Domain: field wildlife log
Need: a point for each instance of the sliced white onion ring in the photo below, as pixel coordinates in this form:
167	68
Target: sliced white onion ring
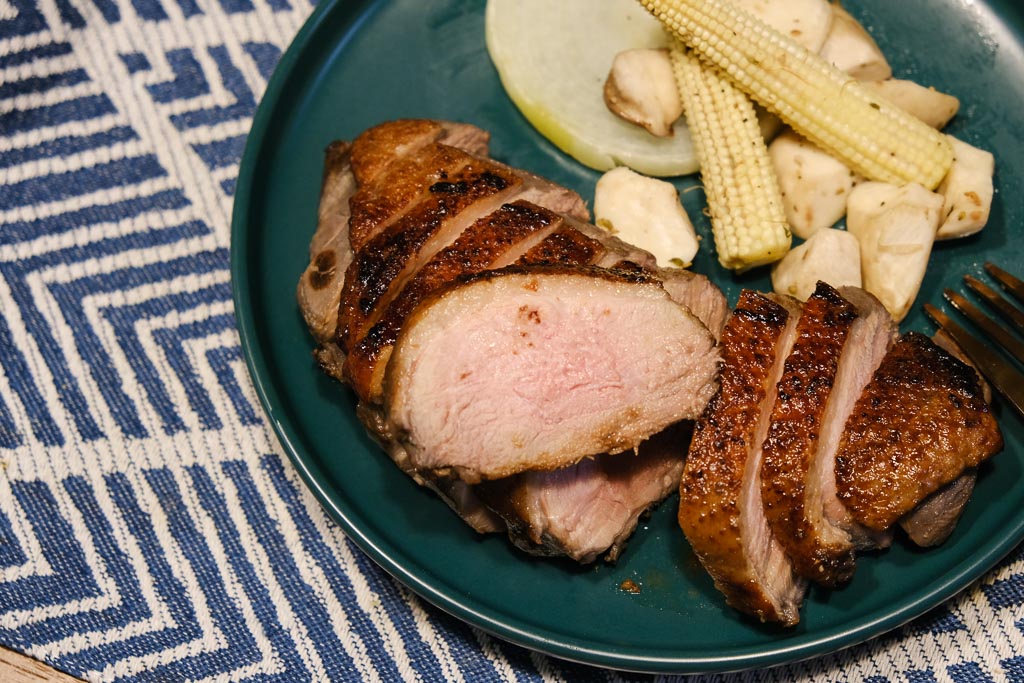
553	57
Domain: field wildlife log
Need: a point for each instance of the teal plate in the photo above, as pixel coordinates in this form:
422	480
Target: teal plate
355	64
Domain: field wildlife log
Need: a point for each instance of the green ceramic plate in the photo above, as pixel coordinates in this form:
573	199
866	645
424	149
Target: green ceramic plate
357	63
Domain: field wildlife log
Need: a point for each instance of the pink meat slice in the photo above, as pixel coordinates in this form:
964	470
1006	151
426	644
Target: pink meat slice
539	368
589	509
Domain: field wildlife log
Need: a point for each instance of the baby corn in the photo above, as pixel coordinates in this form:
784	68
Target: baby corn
747	217
873	137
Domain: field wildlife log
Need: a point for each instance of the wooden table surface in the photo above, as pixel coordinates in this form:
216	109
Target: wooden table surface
17	668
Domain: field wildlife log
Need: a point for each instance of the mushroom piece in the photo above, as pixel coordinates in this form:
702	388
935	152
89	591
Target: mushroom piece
641	89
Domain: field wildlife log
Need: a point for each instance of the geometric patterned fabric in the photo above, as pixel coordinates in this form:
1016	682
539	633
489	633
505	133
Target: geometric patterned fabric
150	527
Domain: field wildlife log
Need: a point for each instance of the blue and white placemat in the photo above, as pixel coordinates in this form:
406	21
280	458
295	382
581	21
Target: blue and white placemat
150	528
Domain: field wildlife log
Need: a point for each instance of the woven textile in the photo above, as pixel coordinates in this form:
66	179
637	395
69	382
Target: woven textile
150	528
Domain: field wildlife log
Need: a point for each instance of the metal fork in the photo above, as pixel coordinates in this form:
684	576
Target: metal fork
1006	379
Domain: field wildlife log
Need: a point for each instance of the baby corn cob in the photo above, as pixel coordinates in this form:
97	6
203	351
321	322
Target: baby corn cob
747	217
828	107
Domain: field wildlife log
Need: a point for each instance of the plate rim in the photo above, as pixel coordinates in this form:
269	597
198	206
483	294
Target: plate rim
868	627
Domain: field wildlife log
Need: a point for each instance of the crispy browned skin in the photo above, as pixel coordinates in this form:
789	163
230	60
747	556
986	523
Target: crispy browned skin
378	268
476	249
399	186
711	491
564	245
921	421
791	444
375	148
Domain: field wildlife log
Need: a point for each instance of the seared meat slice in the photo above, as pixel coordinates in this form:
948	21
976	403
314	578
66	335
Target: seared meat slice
385	263
395	165
538	368
720	508
695	291
319	290
931	522
920	423
330	251
838	346
410	208
480	247
588	509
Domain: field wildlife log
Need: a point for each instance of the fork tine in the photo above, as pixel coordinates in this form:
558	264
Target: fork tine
990	327
1012	284
1004	378
1008	310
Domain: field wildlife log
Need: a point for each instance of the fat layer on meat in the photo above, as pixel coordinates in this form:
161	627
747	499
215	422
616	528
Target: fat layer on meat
720	506
838	346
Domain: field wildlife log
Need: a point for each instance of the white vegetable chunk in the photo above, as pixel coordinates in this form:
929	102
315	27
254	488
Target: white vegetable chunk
829	255
807	22
968	190
895	226
814	184
928	104
646	212
641	89
850	48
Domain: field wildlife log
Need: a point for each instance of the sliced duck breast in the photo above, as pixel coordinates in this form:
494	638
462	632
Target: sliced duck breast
872	334
935	518
720	508
319	289
491	240
920	423
410	209
538	368
386	262
932	521
589	509
839	344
